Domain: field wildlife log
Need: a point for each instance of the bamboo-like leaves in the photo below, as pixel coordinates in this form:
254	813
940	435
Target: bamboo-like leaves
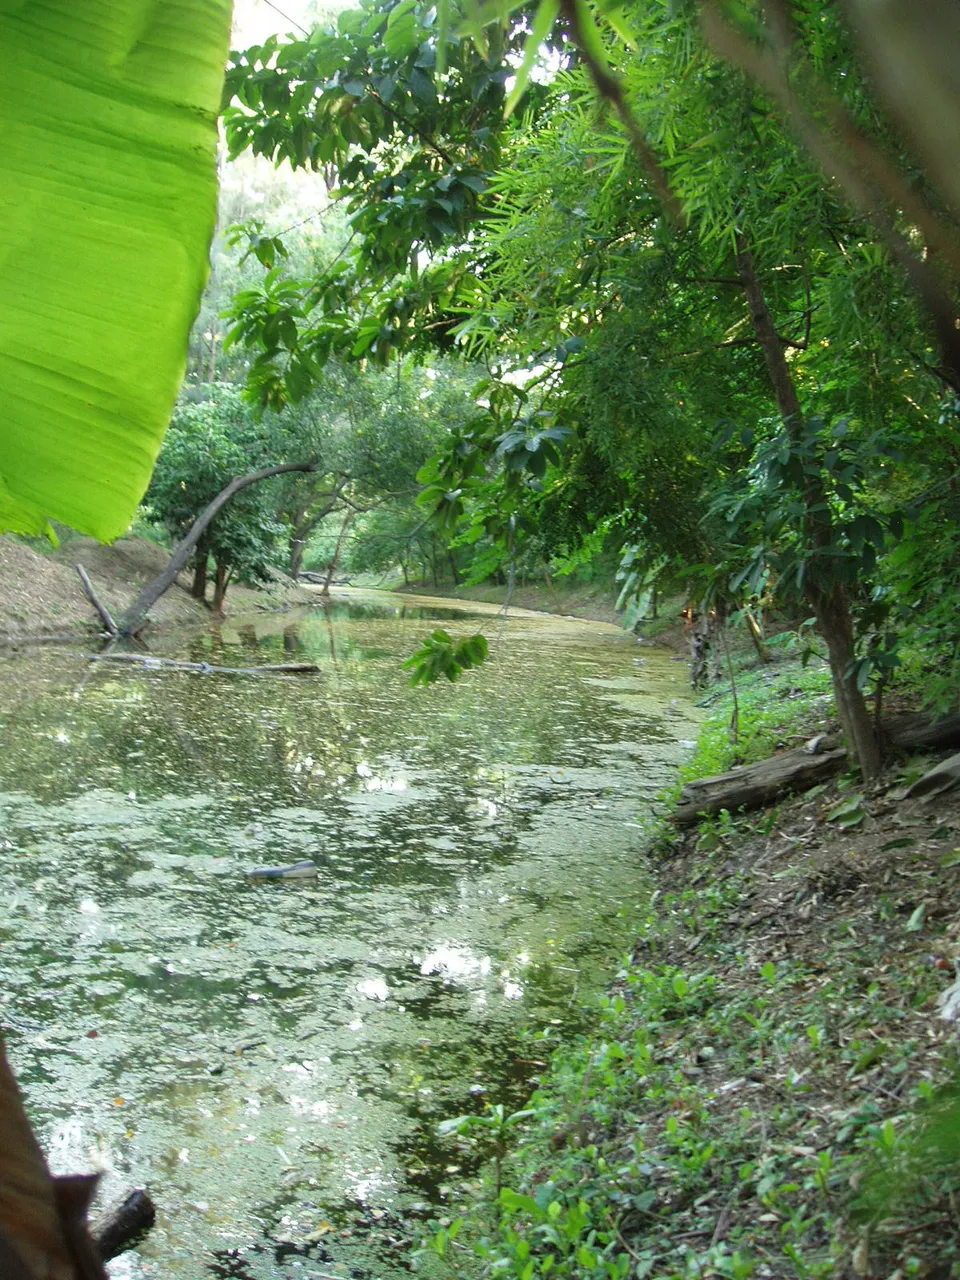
107	207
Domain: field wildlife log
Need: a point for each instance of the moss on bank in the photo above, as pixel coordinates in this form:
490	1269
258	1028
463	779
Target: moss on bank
761	1092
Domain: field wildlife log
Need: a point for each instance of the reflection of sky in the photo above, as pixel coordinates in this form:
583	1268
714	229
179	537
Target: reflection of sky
455	963
474	844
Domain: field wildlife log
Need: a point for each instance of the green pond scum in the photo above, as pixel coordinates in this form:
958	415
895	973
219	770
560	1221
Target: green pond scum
272	1056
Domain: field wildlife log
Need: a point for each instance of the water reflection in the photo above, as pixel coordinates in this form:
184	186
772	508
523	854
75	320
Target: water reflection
266	1053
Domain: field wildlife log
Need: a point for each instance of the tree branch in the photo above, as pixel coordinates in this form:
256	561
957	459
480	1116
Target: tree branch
408	124
609	88
135	616
864	173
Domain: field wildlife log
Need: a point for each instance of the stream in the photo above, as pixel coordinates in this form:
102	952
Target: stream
272	1058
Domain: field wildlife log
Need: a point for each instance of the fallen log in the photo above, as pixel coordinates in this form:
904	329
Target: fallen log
205	668
753	786
123	1225
944	776
12	641
908	730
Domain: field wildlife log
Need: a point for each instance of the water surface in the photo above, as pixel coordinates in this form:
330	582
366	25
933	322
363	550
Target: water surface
272	1058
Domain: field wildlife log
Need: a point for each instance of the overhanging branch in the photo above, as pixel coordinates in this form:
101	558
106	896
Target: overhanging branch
136	615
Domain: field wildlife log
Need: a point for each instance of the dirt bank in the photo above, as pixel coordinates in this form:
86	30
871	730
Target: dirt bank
770	1087
592	602
41	596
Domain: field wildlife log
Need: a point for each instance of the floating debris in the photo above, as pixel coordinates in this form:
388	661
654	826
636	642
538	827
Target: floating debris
295	871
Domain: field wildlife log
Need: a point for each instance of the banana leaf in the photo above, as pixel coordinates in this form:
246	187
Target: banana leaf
107	207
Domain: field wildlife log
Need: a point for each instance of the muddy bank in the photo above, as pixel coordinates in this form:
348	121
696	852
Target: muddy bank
41	596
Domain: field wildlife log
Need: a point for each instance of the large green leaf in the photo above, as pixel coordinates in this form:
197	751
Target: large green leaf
107	207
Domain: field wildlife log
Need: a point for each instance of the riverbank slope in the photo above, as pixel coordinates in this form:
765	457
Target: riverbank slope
41	596
593	602
769	1087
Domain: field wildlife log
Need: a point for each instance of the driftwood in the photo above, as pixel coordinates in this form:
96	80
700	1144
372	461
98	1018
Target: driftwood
124	1225
752	786
205	668
95	600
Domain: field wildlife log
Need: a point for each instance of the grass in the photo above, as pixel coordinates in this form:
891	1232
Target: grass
765	1088
779	707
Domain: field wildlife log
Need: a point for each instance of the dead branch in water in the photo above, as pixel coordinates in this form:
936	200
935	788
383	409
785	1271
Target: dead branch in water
205	668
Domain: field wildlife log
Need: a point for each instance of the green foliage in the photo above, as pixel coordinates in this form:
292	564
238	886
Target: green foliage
770	514
483	487
109	164
440	655
777	708
630	386
411	146
913	1165
209	444
919	589
734	1116
393	537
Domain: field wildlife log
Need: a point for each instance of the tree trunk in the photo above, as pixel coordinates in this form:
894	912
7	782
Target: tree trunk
297	547
198	588
299	530
702	647
248	637
304	522
828	599
453	568
756	635
95	600
212	366
836	626
220	585
338	550
134	618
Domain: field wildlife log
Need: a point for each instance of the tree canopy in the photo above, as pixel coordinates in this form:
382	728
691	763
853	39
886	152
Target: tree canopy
698	342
